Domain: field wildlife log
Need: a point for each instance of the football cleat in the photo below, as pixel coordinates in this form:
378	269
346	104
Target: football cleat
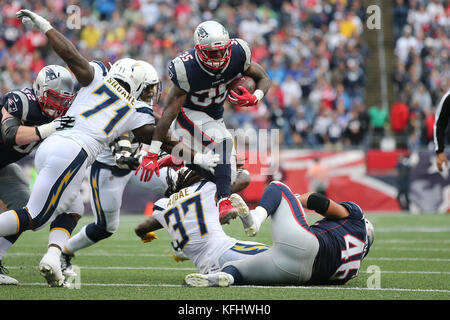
50	269
226	211
245	215
66	265
4	279
217	279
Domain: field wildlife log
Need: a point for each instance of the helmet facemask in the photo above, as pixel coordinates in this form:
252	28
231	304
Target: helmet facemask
151	93
55	104
214	57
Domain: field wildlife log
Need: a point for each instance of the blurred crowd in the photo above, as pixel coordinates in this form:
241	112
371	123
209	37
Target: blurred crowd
313	50
422	73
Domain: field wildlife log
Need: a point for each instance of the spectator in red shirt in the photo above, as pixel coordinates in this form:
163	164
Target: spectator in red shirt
399	122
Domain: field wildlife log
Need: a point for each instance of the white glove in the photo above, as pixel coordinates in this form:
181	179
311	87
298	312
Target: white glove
29	18
61	123
207	161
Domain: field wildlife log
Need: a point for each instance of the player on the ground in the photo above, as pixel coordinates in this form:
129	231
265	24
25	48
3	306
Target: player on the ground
109	175
191	217
28	116
328	252
106	106
200	76
440	126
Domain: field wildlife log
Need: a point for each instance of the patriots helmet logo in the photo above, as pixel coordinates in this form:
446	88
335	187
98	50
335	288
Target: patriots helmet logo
50	74
201	32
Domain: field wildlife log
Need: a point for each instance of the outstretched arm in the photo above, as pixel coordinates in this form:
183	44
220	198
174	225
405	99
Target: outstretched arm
80	67
173	103
323	205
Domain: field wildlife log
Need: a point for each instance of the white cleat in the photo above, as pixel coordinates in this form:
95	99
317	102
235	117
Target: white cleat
4	279
50	269
245	215
218	279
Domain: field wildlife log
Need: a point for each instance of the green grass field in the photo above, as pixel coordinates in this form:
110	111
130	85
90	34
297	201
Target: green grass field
411	251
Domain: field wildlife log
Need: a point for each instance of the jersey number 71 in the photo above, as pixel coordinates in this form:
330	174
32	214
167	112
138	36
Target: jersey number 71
112	98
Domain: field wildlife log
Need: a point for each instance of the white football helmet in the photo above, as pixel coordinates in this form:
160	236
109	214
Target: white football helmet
212	44
130	72
152	84
54	88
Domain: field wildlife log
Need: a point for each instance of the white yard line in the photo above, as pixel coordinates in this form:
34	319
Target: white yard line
254	287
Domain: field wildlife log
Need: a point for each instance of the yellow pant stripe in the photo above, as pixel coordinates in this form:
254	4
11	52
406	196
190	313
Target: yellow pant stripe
61	229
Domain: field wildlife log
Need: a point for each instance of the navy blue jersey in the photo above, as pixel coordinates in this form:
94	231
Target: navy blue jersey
206	90
342	247
23	105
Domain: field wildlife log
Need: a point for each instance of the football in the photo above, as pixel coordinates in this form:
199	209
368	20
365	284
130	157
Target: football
244	81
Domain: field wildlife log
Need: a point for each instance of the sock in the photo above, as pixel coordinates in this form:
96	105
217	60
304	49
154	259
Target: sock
5	244
259	214
234	272
58	237
78	241
61	229
222	172
9	223
271	198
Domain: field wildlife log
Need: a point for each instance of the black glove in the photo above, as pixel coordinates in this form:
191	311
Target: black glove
124	158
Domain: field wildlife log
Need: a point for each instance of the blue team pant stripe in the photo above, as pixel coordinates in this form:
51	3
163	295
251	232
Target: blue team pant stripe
294	204
194	131
58	189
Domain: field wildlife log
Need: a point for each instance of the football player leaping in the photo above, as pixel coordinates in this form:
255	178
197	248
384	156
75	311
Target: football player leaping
106	106
200	76
28	116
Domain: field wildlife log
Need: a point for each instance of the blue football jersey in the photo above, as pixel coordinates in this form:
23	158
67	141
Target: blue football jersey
23	105
342	247
206	90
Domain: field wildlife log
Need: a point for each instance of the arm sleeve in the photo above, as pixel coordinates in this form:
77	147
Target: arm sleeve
441	122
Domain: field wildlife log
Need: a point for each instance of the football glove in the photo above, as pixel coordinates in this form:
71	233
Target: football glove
121	149
246	99
177	254
149	237
31	19
170	161
64	122
207	161
149	164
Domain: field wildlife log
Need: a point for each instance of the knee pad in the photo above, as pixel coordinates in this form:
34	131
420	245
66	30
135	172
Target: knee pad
64	221
24	220
96	233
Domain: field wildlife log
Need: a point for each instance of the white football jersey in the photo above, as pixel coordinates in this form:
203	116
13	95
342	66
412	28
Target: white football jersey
192	218
103	110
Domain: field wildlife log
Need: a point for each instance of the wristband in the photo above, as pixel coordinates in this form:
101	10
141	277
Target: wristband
45	130
259	94
155	146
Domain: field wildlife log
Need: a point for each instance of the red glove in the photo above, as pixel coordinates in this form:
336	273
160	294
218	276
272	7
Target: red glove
246	99
170	161
149	164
